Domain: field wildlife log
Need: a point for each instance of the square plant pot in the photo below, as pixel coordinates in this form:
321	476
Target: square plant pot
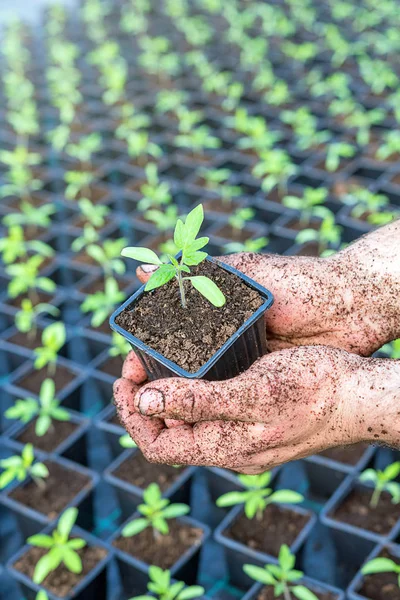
120	475
380	586
237	553
236	355
183	565
92	586
349	510
70	485
322	591
347	458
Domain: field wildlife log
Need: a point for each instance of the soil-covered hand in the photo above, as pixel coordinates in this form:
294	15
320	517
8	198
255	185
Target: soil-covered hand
289	404
350	300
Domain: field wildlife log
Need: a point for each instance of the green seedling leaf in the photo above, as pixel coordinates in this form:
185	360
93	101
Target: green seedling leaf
143	255
209	290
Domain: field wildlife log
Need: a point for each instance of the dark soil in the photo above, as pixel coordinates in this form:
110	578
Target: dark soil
23	340
267	593
278	526
190	336
84	259
356	511
349	455
112	366
217	205
98	286
309	249
229	233
41	297
59	432
382	586
167	549
61	581
137	471
297	226
62	485
34	379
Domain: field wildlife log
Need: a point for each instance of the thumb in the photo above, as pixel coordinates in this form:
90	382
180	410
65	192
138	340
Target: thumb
200	400
242	261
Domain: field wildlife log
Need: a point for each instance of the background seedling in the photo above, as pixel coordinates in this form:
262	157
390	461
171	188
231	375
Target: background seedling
185	239
20	467
161	587
381	565
383	481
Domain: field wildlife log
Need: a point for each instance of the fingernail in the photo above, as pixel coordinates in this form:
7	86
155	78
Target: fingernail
149	268
151	402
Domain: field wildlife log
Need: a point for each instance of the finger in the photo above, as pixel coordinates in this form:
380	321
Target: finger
144	272
244	398
217	443
124	391
133	369
173	423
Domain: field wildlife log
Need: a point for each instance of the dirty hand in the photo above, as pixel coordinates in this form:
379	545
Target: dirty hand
289	404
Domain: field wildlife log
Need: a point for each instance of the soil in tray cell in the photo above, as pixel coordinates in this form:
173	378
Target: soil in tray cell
349	455
191	336
58	432
61	486
355	510
164	551
34	379
60	581
137	471
278	526
267	593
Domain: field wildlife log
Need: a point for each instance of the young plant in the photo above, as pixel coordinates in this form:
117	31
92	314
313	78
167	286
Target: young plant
161	587
46	408
382	565
185	238
335	152
383	481
155	193
53	339
94	214
25	318
101	303
163	220
364	201
61	548
327	236
281	577
14	246
89	236
108	256
119	347
362	121
31	216
217	182
25	279
155	512
248	246
274	169
240	217
309	205
198	140
20	467
391	145
258	495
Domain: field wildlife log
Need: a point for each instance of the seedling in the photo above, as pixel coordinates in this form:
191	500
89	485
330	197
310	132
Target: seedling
14	246
20	179
20	467
61	547
85	148
160	586
126	441
102	303
53	339
163	220
248	246
156	511
25	318
257	495
240	217
364	201
155	193
198	140
46	408
120	347
31	216
362	120
274	168
281	577
94	214
217	182
185	238
391	145
89	236
25	279
381	565
140	147
327	235
392	350
77	182
169	101
42	595
107	255
383	481
335	152
309	205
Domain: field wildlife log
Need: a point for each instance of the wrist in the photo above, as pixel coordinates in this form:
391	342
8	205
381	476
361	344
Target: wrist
373	403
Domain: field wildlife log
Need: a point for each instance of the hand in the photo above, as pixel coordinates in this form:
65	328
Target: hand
288	405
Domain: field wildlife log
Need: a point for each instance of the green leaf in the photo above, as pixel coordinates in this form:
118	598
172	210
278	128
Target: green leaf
6	478
392	471
193	224
286	497
193	591
42	425
194	258
303	593
76	543
179	234
143	255
41	541
43	567
394	490
163	274
175	510
134	527
72	560
286	558
231	499
27	454
209	290
39	470
380	565
47	391
160	525
67	521
259	574
253	505
198	244
368	475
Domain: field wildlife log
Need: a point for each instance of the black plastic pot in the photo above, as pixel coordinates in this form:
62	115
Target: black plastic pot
356	585
311	584
92	587
234	357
